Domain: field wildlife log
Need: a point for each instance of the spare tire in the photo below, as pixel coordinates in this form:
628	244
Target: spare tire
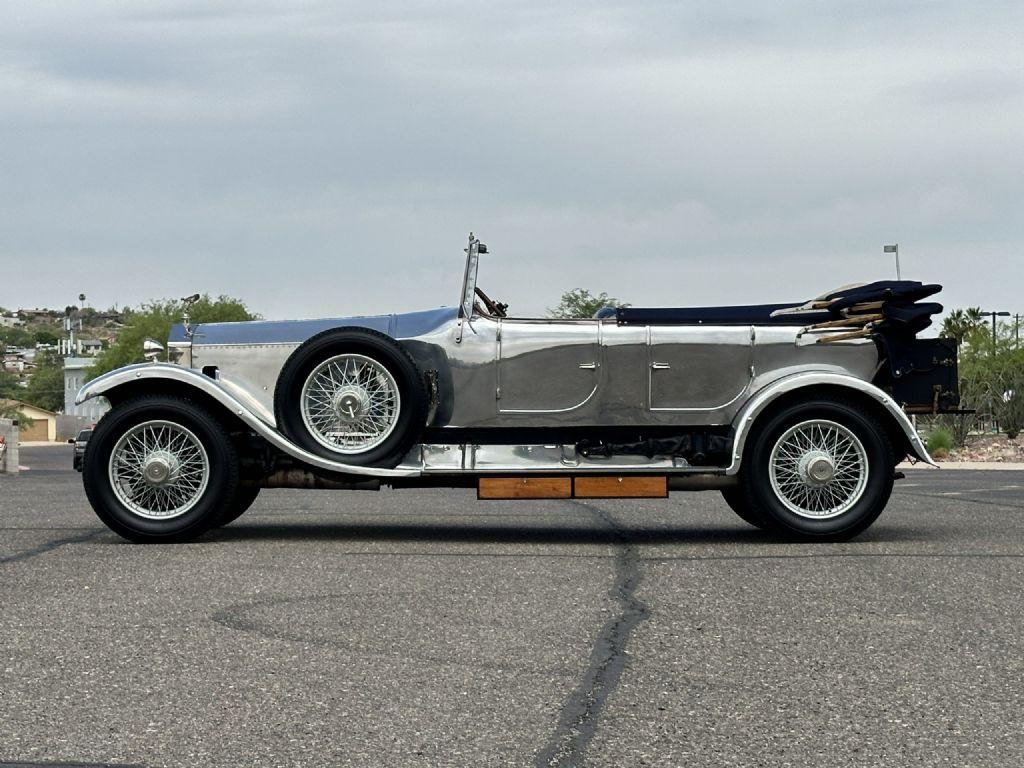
352	395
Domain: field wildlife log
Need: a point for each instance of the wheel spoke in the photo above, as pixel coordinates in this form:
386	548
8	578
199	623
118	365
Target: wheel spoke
839	459
178	462
350	404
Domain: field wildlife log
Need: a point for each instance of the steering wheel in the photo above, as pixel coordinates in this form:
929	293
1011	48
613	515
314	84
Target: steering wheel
494	308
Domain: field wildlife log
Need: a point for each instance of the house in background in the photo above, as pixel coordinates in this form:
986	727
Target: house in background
14	360
90	347
76	371
44	423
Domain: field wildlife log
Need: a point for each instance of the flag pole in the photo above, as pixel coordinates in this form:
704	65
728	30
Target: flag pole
894	249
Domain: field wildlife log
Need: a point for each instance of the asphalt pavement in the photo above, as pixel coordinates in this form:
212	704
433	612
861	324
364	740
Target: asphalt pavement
425	628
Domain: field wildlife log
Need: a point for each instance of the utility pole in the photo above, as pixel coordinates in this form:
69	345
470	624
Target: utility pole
1016	329
994	315
895	249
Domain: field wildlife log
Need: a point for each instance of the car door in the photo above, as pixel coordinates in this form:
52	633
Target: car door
547	366
698	368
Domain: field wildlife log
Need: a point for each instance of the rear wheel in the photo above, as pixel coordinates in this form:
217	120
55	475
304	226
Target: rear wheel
160	469
820	470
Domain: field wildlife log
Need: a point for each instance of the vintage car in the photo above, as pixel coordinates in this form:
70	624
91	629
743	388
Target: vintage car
797	413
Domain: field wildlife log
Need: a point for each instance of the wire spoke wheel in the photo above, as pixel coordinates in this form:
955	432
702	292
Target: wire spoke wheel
350	403
159	470
819	469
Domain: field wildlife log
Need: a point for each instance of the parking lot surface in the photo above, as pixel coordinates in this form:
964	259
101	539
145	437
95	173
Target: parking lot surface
425	628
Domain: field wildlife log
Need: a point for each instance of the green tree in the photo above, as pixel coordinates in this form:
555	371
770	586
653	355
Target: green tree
46	337
991	383
46	387
154	321
581	303
16	337
962	323
9	387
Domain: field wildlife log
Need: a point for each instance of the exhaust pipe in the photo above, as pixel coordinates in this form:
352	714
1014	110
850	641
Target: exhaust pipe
303	478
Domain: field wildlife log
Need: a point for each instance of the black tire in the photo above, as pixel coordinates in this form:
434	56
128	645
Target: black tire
384	350
740	504
222	482
245	497
756	482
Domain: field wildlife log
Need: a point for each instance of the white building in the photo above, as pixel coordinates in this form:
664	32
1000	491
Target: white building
76	371
90	347
10	321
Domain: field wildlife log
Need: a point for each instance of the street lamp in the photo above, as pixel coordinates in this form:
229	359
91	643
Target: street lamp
994	315
895	249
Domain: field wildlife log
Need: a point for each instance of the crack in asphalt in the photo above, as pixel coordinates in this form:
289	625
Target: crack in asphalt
49	546
580	714
235	617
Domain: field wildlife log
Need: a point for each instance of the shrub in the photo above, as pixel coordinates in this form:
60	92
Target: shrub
940	440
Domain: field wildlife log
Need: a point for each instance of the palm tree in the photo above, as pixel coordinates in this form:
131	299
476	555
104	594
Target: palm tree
961	323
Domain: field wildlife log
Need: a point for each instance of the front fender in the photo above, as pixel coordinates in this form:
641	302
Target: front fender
744	421
108	383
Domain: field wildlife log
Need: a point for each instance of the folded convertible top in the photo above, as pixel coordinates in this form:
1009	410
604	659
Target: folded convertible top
759	314
892	302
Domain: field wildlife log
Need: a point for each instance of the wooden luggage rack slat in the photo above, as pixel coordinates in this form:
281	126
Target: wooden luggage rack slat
585	487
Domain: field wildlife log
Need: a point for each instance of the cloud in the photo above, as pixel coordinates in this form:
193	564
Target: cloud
322	157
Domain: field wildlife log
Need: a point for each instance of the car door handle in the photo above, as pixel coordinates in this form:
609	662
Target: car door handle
660	366
588	366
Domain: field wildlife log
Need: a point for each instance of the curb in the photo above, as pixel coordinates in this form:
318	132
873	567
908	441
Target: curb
960	466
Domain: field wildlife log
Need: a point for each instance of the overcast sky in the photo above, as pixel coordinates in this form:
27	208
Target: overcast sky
330	158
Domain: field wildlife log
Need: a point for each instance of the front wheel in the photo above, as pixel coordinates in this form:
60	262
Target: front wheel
819	470
160	469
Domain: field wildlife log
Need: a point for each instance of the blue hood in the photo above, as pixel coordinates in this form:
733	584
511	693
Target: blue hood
401	326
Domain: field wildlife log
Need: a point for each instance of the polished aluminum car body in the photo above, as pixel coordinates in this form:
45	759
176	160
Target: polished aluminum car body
545	379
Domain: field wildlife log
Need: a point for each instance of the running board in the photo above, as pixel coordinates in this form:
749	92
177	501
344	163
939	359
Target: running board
519	460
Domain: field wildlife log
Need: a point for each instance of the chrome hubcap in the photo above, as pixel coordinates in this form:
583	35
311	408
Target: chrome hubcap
159	470
350	404
819	469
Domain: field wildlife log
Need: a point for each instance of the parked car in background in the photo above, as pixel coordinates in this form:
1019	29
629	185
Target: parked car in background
797	413
80	442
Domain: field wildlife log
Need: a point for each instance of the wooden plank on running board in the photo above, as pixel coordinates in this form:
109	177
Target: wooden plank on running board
524	488
621	487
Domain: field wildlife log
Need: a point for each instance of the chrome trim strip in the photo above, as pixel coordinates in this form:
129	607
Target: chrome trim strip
208	386
722	407
762	399
557	410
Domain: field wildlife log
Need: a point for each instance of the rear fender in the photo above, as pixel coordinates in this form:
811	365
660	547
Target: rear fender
760	402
